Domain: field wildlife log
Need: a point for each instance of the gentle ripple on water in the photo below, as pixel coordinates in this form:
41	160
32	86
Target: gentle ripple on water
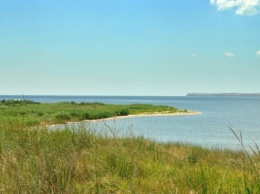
210	129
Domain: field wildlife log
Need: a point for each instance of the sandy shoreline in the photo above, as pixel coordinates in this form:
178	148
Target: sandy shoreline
131	116
143	115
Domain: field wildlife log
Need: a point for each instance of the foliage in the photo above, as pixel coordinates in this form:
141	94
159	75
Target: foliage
17	102
62	116
80	160
47	114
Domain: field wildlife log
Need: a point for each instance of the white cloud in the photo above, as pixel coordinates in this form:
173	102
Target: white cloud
258	53
228	54
243	7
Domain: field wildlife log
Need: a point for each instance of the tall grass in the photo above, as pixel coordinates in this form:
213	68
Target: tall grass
80	160
251	165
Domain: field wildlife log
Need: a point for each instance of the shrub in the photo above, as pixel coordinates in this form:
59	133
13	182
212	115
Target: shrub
102	115
122	112
85	115
75	113
62	116
18	101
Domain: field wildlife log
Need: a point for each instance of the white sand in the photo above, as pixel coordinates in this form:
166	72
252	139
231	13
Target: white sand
156	114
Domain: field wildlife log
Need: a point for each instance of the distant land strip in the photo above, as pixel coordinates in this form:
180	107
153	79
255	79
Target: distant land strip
223	94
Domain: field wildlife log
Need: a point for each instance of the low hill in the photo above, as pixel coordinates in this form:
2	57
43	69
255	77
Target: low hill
223	94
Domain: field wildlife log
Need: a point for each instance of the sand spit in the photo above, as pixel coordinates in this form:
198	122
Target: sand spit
155	114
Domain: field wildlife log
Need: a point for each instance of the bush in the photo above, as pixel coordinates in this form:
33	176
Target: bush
92	103
122	112
17	101
85	115
97	115
62	116
75	113
103	115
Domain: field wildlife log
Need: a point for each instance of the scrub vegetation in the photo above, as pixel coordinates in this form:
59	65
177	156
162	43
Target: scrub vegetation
31	113
79	159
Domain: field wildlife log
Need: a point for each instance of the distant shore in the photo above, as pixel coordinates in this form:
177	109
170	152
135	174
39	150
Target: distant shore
223	94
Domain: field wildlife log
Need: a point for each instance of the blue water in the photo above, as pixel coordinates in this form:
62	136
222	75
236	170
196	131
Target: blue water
210	129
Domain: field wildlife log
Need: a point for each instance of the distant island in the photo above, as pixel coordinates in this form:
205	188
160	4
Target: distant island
223	94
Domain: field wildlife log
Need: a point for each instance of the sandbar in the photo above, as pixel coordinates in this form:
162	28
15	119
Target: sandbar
155	114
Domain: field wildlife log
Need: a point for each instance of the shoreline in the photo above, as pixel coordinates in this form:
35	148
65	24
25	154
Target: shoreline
141	115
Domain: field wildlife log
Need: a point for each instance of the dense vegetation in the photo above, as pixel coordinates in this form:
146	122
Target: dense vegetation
81	160
31	113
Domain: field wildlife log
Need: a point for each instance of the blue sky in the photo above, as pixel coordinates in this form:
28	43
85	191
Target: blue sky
129	47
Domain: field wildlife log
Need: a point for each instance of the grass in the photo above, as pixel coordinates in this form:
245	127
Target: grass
35	114
81	160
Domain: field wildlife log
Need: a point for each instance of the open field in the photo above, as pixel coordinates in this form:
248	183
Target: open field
80	160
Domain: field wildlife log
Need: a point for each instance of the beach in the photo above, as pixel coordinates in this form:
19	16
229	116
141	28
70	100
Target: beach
155	114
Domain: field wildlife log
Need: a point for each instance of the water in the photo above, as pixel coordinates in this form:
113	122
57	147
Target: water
210	129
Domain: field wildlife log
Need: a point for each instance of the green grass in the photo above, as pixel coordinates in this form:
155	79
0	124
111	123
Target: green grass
81	160
34	114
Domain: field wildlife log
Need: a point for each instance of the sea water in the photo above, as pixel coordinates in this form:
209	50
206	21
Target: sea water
209	129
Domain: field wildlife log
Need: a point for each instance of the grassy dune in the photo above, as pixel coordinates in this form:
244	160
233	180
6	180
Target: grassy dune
36	160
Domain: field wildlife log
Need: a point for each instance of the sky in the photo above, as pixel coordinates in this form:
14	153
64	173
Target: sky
129	47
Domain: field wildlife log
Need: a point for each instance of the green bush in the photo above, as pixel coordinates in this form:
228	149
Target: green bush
122	112
85	115
100	115
76	114
18	101
62	116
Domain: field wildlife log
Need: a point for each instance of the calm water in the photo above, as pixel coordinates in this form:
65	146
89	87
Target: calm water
210	129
